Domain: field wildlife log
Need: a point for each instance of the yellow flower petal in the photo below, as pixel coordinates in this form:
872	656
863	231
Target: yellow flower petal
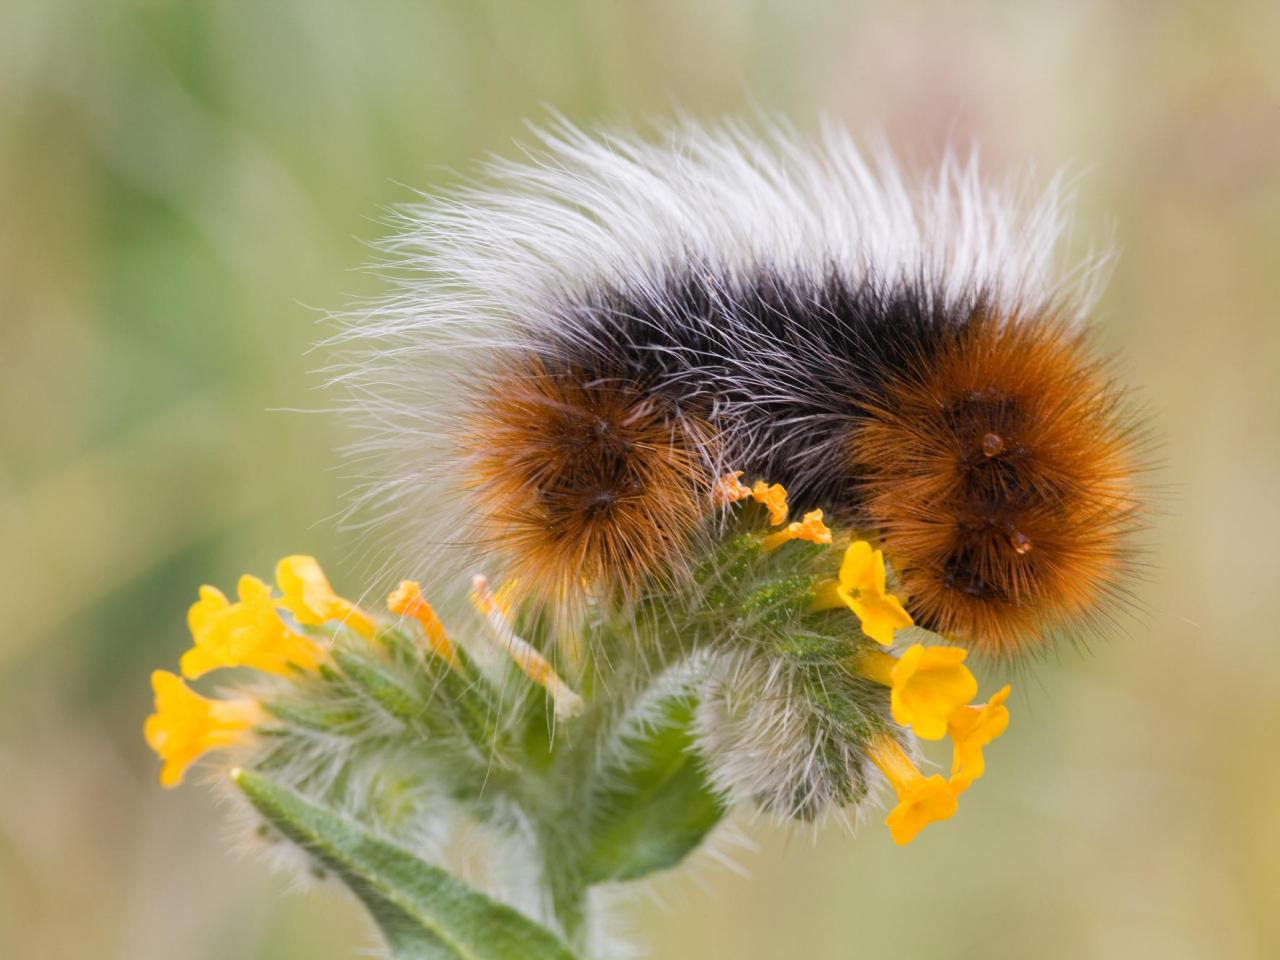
208	608
971	728
863	568
406	601
773	498
248	633
310	598
928	685
186	725
880	615
198	661
855	568
927	801
307	594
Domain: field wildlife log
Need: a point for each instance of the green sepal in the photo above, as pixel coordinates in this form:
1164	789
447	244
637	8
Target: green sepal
380	686
658	807
318	715
423	912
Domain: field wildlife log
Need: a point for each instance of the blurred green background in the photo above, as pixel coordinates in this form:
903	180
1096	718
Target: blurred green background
183	183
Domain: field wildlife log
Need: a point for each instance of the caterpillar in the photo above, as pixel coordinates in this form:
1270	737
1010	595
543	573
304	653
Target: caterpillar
579	345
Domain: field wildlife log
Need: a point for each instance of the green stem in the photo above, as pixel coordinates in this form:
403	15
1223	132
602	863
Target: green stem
569	901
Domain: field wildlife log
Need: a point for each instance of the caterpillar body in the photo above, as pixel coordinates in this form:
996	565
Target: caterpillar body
582	346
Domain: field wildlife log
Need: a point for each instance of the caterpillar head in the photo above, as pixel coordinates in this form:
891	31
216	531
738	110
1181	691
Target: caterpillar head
1000	474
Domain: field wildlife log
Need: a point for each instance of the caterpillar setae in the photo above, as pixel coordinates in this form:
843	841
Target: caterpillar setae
580	345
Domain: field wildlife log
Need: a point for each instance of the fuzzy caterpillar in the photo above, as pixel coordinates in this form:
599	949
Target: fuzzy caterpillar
580	348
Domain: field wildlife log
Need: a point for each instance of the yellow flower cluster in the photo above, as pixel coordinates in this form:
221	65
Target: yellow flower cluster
861	583
247	633
773	497
930	689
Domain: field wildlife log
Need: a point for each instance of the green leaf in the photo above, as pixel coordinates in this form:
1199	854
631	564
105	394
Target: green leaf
424	912
658	807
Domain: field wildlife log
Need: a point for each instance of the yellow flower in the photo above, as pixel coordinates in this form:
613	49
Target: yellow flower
729	489
774	499
406	601
921	800
928	684
308	596
187	725
245	634
811	528
972	727
861	588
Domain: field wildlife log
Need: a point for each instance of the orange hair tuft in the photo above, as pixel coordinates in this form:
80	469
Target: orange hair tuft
584	480
1000	475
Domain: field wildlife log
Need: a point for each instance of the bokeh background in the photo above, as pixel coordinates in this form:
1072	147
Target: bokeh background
183	184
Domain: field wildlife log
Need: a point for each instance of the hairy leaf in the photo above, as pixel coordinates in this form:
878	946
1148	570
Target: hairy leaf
658	807
424	912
